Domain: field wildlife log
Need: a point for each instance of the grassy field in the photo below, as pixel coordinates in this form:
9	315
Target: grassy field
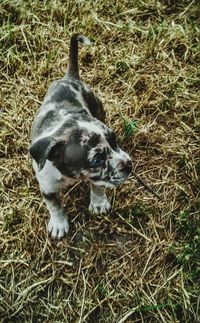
140	262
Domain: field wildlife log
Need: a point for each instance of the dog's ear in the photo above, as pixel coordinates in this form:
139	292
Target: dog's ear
46	148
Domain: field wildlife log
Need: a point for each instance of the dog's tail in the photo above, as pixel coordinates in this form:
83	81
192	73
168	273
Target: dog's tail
72	68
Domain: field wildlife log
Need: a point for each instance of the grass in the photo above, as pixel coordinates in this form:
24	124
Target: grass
140	262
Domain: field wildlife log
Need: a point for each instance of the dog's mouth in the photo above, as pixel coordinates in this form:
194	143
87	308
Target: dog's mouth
110	183
119	181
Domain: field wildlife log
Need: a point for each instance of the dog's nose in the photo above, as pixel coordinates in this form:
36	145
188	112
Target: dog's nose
126	166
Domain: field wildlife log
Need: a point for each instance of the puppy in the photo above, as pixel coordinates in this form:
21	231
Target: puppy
70	142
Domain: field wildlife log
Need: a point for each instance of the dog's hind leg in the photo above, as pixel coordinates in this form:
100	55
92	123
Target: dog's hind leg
98	200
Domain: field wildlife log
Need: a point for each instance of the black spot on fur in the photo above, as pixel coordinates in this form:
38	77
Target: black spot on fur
95	178
94	104
75	85
53	197
63	93
94	140
111	138
39	150
78	110
75	136
65	126
73	161
49	196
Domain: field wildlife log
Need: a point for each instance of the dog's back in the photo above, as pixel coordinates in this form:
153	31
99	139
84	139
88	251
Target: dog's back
66	97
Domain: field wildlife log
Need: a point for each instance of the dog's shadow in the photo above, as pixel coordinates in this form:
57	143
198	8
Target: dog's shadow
76	200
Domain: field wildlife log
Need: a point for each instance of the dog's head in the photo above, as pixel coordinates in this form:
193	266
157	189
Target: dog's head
88	151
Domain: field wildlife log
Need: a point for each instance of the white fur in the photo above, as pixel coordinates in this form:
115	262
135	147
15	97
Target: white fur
85	40
51	181
98	200
50	178
119	156
58	224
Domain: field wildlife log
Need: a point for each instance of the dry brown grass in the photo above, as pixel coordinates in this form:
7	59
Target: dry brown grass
140	263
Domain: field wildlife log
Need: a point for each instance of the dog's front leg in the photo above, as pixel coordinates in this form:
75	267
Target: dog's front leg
98	200
58	224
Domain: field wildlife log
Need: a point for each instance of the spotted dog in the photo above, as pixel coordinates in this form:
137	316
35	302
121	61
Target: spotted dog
70	142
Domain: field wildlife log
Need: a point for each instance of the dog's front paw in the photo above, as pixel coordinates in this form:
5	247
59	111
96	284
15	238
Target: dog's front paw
58	226
99	207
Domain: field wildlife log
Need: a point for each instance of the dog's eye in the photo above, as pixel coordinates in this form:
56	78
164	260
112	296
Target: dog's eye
97	161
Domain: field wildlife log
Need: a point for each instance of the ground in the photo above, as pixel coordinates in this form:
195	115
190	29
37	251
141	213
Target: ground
140	262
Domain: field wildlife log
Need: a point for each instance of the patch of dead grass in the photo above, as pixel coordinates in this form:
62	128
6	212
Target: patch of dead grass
140	262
